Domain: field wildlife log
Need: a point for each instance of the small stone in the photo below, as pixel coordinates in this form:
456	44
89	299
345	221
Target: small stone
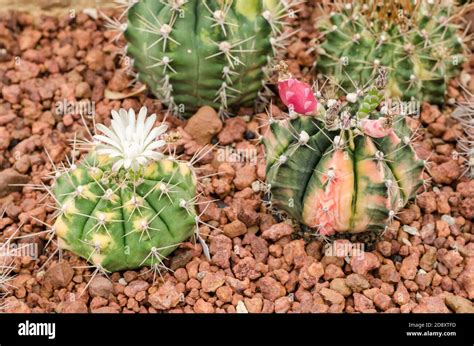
224	293
212	281
382	301
11	93
59	274
136	286
204	125
277	231
459	304
332	296
401	295
431	305
295	253
245	176
340	285
270	288
357	283
362	303
428	259
167	297
364	263
100	286
282	305
310	273
445	173
203	307
235	229
253	305
221	250
233	131
8	178
409	266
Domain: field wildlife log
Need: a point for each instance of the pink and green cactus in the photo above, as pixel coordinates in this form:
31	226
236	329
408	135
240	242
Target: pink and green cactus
344	166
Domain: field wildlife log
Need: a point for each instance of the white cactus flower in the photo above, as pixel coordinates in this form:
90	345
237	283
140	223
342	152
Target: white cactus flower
131	141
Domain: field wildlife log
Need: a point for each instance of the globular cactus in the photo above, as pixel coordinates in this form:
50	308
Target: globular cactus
344	166
415	40
198	52
125	205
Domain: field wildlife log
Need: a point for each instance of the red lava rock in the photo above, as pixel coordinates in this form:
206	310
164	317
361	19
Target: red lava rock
165	298
310	273
282	305
401	295
295	253
100	286
134	287
388	273
221	249
12	93
445	173
4	138
332	296
362	303
212	281
204	125
246	268
364	263
233	131
74	307
428	259
95	59
409	266
427	202
253	305
105	310
340	285
357	283
181	275
119	81
277	231
382	301
450	258
259	247
203	307
13	305
270	288
245	176
332	271
237	285
59	274
459	304
234	229
431	305
224	293
28	39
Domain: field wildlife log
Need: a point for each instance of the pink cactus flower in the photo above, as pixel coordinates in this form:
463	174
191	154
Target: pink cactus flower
375	128
297	96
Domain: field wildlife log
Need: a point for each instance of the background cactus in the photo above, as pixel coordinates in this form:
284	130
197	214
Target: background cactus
349	167
418	44
125	205
193	52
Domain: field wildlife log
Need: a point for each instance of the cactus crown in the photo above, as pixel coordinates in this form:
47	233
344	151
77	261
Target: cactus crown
125	205
415	41
198	52
347	166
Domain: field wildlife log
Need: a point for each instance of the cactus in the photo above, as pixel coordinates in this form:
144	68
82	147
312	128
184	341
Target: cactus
417	43
125	205
464	113
344	166
197	52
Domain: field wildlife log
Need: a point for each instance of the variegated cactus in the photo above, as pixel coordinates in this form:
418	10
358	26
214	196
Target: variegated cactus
125	205
193	53
343	166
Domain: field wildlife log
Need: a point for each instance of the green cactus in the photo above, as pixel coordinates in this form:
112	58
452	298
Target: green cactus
124	205
348	167
198	52
417	43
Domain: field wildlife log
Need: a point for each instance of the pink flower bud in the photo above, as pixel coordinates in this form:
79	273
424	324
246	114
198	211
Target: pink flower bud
297	96
374	128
